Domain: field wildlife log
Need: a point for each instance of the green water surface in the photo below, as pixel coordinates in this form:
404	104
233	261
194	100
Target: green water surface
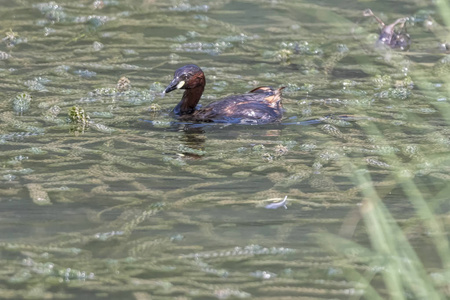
133	204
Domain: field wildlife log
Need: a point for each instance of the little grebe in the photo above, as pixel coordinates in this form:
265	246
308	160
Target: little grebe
261	105
388	36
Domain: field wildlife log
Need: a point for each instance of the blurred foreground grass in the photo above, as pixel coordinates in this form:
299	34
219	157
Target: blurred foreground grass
392	268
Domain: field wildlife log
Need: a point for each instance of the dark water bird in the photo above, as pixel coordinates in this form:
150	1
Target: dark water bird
389	36
261	105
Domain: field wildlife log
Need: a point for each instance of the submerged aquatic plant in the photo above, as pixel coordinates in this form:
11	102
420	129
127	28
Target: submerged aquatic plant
78	115
21	103
79	118
37	84
38	194
183	7
12	38
124	84
4	55
51	10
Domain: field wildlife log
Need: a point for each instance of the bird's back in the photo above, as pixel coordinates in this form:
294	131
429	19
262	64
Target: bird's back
261	105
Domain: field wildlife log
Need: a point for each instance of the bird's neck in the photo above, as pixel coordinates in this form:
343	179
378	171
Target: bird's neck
189	101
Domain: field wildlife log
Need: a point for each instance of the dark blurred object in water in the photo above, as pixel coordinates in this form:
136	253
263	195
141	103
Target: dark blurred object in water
389	36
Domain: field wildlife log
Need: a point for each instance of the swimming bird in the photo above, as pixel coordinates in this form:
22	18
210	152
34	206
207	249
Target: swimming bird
259	106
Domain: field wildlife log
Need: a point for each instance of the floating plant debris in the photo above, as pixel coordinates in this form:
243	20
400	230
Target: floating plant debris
85	73
12	39
38	194
37	84
231	293
215	48
78	116
21	103
97	46
263	274
103	236
182	7
52	11
189	150
239	251
4	55
124	84
278	204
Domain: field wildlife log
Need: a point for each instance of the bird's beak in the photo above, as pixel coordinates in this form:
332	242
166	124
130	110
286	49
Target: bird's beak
174	85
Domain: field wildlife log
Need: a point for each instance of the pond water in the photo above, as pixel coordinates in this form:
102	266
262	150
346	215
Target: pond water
132	204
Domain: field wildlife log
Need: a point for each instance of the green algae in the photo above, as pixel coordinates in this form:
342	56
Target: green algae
77	115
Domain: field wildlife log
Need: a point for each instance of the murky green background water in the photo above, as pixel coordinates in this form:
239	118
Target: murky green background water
138	206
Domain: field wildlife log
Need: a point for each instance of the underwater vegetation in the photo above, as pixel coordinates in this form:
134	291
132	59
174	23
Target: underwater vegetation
104	194
21	103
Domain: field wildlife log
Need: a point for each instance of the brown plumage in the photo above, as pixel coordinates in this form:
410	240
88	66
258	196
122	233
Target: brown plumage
261	105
